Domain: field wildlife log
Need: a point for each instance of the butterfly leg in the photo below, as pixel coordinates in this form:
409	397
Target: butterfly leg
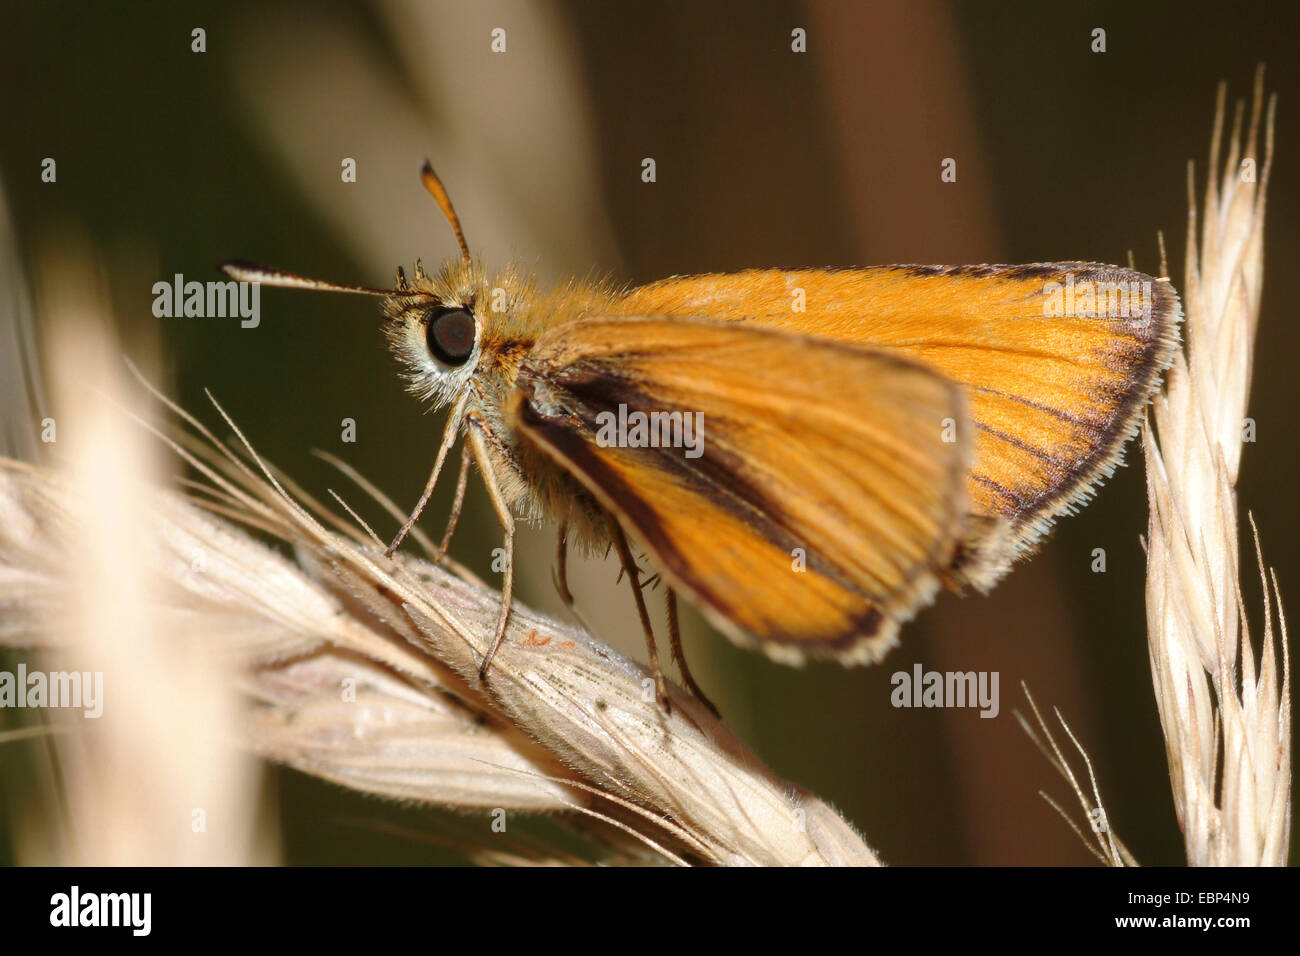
561	566
507	520
449	436
634	575
561	577
675	644
456	505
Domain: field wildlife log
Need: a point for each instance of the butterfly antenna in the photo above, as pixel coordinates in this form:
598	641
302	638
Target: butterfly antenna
439	193
265	275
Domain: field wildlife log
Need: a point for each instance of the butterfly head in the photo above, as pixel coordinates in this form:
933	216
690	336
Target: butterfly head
450	329
453	328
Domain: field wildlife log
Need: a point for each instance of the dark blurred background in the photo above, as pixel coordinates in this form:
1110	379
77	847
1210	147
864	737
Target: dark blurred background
173	160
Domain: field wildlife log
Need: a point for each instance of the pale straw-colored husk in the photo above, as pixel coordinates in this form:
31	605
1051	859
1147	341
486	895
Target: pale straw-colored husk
1225	707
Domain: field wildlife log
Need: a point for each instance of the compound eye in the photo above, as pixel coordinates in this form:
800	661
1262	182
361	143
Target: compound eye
450	335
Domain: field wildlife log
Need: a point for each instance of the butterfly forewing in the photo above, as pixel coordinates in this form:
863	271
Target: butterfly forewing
824	492
1056	360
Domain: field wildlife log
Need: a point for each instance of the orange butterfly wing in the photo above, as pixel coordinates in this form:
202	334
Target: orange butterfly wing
1052	397
815	516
